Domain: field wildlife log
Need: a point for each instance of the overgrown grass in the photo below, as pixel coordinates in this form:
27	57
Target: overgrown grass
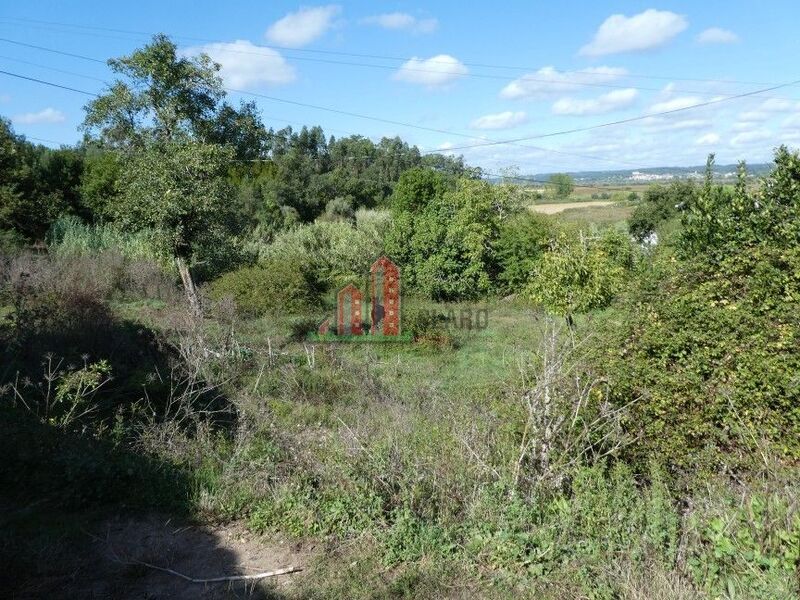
471	468
70	236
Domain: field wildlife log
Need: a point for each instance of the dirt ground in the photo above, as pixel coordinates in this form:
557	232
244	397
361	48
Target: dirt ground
551	209
109	564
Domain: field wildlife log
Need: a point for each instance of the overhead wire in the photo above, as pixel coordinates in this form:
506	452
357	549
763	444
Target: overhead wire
382	57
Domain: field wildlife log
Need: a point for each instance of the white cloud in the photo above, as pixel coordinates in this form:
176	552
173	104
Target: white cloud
548	80
717	35
402	21
675	104
245	65
502	120
744	126
435	71
769	108
303	26
595	106
751	137
778	105
645	31
792	121
657	125
709	139
754	115
47	115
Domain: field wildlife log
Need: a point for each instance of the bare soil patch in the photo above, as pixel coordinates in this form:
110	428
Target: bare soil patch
553	208
109	565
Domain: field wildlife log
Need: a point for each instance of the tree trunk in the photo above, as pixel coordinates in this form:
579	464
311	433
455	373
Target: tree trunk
188	286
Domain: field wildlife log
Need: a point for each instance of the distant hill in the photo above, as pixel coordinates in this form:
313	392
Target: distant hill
656	174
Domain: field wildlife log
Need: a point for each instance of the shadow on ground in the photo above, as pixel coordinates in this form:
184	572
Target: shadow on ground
78	518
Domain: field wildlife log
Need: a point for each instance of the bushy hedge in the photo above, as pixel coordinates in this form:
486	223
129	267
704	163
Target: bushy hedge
285	285
710	346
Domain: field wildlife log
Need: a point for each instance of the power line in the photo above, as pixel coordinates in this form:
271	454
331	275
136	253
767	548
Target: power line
518	178
61	52
55	85
33	64
524	78
384	57
628	120
357	115
446	132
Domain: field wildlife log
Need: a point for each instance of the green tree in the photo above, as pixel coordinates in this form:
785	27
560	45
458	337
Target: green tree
162	95
37	184
522	241
579	274
173	180
417	188
659	205
444	239
562	185
179	189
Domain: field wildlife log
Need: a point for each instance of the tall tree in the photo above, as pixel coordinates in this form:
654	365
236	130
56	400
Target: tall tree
180	190
562	185
171	179
161	95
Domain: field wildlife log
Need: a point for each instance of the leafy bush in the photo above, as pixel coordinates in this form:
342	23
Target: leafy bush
336	253
659	205
710	346
578	274
275	284
521	242
11	241
446	249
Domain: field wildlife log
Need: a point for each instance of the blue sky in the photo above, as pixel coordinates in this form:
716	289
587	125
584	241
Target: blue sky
476	72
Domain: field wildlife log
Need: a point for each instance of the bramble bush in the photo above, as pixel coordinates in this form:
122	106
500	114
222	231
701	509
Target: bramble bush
710	342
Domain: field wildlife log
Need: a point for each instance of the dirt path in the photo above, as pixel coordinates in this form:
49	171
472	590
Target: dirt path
551	209
109	564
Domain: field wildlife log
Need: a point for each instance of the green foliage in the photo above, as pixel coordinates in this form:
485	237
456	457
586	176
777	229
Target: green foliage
711	341
338	252
578	273
522	241
37	184
562	185
446	249
179	190
99	182
69	236
659	205
416	189
746	545
161	96
283	285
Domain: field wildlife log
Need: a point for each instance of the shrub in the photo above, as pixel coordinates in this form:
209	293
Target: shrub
446	249
334	253
275	284
711	342
659	205
578	274
11	241
520	245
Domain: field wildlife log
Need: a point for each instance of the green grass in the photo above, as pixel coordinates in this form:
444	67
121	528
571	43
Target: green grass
367	338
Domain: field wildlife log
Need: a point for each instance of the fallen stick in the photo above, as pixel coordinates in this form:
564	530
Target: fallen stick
220	579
